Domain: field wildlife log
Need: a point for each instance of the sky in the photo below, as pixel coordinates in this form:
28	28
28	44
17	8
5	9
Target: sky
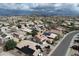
47	8
29	6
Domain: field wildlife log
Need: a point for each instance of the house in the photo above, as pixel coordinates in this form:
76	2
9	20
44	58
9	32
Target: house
8	37
3	35
28	47
46	36
6	24
14	27
26	50
4	29
26	30
76	24
15	35
68	22
50	35
40	37
60	28
55	31
64	24
19	35
29	37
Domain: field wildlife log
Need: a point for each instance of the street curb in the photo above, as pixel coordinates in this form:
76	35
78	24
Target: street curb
60	42
70	44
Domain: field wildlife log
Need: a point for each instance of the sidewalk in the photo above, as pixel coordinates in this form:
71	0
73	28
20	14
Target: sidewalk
68	51
65	36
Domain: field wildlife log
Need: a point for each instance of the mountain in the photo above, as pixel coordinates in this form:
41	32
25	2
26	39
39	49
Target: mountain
7	12
39	11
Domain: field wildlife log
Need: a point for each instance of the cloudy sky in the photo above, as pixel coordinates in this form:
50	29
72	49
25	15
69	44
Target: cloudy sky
45	8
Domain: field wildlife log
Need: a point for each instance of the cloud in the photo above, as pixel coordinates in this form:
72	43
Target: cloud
66	8
17	6
28	6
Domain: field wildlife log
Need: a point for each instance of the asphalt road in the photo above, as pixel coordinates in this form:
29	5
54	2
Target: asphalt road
62	48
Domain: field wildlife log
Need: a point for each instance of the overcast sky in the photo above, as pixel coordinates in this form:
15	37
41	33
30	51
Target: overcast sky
30	6
48	7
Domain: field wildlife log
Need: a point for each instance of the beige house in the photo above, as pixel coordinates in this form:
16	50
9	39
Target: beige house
40	38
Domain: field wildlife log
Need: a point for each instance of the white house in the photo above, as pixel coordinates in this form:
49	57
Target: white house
52	35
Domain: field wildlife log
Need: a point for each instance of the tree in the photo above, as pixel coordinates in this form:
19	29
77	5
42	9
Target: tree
34	32
3	25
19	26
9	45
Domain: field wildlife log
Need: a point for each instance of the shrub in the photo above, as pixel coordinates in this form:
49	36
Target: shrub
9	45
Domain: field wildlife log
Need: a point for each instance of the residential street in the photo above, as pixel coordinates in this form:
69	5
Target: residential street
62	48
